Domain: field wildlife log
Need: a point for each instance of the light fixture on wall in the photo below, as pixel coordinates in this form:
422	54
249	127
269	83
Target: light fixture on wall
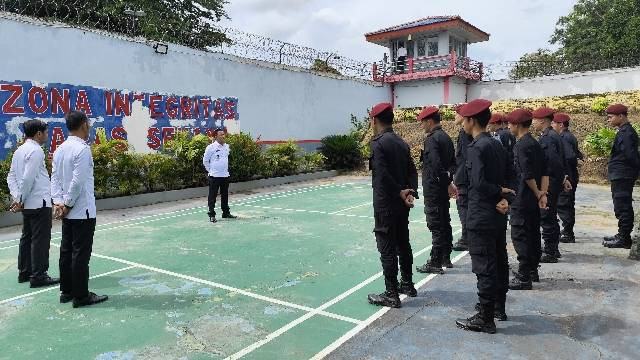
161	48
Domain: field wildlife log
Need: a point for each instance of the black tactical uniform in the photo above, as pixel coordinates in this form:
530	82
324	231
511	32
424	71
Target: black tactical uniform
439	164
567	200
530	163
623	168
552	145
461	180
508	141
393	170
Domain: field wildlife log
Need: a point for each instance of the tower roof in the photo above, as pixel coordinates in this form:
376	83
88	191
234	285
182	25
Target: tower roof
428	24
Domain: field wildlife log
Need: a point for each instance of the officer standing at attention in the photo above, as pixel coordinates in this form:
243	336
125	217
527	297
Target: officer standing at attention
553	147
485	218
438	166
508	142
29	185
567	199
395	186
494	125
624	165
531	197
216	162
461	180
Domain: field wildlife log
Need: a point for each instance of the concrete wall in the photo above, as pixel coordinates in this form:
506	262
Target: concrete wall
559	85
274	102
457	90
419	93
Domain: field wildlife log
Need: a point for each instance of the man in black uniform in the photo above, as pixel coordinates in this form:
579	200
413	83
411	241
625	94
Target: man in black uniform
567	199
461	181
552	145
438	166
531	197
508	142
485	218
623	168
395	185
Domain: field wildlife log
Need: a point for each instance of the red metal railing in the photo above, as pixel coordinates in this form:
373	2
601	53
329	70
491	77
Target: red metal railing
428	67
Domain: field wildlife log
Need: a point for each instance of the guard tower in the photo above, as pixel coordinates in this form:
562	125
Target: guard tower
436	68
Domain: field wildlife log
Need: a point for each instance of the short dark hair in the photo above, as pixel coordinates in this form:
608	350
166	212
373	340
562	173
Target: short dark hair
386	117
482	118
435	117
527	123
31	127
75	119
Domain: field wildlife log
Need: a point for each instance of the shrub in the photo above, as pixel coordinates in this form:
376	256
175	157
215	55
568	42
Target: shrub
245	160
312	162
160	172
600	143
5	195
447	113
189	151
282	159
599	105
116	171
342	151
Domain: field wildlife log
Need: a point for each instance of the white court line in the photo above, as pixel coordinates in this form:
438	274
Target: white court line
9	247
351	208
328	304
57	287
344	338
224	287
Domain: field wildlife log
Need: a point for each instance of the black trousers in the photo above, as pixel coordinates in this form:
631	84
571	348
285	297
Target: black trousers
489	261
622	194
462	203
567	208
439	223
33	253
75	253
525	235
221	184
392	237
549	222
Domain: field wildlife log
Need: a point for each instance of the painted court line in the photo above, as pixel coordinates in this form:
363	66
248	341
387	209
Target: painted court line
330	303
57	287
224	287
351	208
344	338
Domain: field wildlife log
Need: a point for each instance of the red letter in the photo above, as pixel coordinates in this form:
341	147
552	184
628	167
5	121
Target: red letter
123	106
97	139
118	133
153	100
138	97
210	132
9	106
60	102
82	103
167	134
217	109
153	138
57	138
44	100
230	109
205	107
185	106
108	103
171	107
196	131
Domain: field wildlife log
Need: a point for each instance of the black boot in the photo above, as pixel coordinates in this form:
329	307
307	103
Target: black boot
568	238
407	288
65	298
498	312
549	259
607	239
558	255
446	261
228	216
520	282
430	268
387	298
480	322
619	242
535	277
24	277
212	219
461	245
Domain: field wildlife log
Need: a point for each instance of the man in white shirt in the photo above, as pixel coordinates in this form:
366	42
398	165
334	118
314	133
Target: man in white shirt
402	57
30	189
216	161
74	202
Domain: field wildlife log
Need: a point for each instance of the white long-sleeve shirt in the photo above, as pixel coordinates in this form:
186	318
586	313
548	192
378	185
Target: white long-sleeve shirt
216	159
28	178
72	178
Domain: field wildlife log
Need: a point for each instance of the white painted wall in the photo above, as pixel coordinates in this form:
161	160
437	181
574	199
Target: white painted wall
419	93
558	85
457	90
443	43
274	102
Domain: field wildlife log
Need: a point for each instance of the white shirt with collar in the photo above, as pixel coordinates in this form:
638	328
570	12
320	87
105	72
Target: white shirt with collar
28	178
72	178
216	159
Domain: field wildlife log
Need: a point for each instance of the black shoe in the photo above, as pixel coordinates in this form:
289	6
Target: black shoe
607	239
460	246
44	281
619	242
407	288
92	299
23	278
498	312
65	298
558	255
567	238
387	298
212	219
446	262
548	259
229	216
535	277
480	322
517	283
430	268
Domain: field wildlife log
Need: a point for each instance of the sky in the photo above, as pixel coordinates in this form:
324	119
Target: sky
516	27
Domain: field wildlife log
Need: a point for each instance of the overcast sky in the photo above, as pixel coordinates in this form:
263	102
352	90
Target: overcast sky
516	27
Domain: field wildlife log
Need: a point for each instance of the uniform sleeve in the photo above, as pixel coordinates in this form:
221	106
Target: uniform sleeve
12	181
631	150
206	159
526	162
452	161
81	167
433	153
56	181
412	174
32	163
381	165
477	177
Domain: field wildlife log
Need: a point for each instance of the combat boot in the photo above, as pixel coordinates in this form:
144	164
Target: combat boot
446	261
535	277
498	311
558	255
430	268
387	298
568	238
461	245
520	282
619	242
407	288
548	259
480	322
607	239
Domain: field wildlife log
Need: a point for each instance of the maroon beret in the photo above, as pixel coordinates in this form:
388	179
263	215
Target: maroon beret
378	109
519	116
496	118
543	112
427	112
474	107
458	107
617	109
561	118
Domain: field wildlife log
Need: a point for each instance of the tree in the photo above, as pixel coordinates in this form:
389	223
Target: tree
539	63
184	22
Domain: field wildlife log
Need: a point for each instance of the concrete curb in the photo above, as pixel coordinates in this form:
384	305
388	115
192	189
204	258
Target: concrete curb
124	202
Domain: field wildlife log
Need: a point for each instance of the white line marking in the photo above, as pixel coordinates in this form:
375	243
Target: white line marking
9	247
350	208
57	287
344	338
328	304
224	287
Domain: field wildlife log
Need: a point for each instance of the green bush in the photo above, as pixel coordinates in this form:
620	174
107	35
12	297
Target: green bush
245	161
342	151
189	151
312	162
116	170
160	172
5	195
282	159
599	105
600	143
447	113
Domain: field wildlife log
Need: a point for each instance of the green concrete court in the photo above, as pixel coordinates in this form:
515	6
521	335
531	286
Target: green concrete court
287	280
